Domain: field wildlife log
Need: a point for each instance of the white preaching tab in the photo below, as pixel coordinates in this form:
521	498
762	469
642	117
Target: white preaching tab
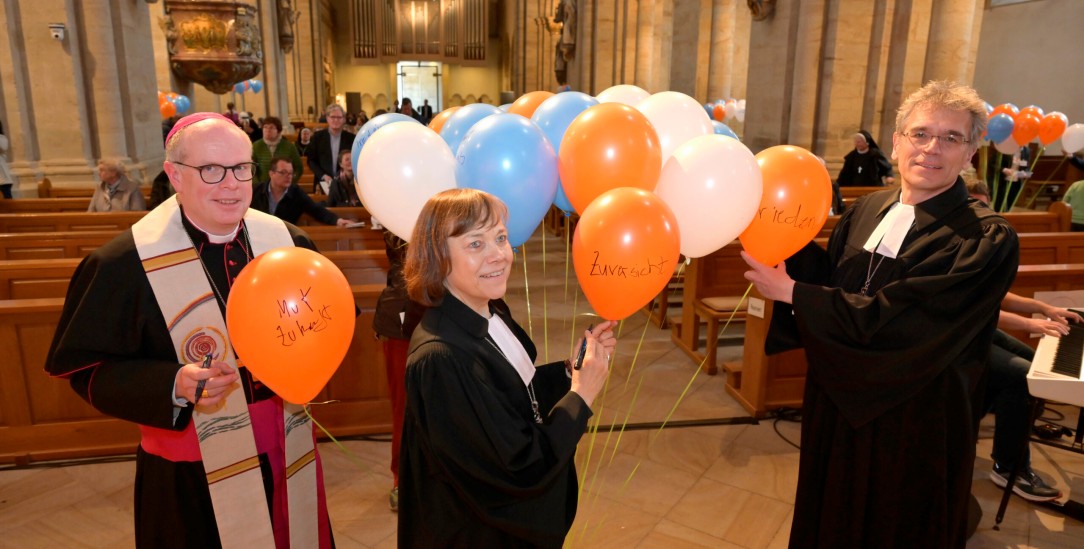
888	237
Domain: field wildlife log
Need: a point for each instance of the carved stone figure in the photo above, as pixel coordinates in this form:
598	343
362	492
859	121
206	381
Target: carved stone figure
761	9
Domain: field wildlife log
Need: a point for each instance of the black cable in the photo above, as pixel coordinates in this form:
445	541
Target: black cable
792	415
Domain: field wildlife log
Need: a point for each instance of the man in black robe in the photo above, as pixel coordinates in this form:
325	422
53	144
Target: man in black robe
897	320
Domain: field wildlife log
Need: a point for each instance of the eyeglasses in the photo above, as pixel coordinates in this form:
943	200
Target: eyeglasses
213	174
920	139
335	117
284	172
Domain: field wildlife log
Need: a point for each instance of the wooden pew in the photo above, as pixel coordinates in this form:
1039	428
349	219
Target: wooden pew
41	418
850	194
52	245
762	383
713	287
1056	218
67	221
46	189
42	205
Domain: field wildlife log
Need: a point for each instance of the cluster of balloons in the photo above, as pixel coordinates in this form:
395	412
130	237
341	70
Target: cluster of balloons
651	176
250	84
1010	128
171	104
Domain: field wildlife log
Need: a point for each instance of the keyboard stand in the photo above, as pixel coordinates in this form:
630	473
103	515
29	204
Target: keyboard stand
1070	508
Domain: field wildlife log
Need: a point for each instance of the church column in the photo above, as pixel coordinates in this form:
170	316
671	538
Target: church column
729	57
691	48
16	101
645	38
954	40
272	98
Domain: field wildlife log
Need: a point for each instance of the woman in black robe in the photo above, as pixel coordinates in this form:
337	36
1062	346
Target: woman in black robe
488	438
866	165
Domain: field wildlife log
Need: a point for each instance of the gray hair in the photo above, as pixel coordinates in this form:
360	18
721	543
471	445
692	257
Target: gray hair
334	106
114	165
947	95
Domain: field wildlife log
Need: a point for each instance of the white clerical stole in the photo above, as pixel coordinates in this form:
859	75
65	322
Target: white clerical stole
511	348
888	237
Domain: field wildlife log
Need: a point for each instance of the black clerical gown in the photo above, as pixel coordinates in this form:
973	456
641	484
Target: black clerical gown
475	469
113	345
892	394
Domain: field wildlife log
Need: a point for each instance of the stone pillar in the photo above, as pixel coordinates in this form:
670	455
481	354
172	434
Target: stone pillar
691	48
954	40
646	63
662	46
604	42
271	101
729	57
81	98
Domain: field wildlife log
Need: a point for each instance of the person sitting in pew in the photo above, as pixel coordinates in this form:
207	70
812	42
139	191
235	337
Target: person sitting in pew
282	198
342	191
1007	393
115	193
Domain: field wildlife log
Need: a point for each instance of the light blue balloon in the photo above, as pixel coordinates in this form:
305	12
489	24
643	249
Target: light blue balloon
239	87
710	109
256	85
999	128
461	121
553	117
723	129
370	128
182	103
509	157
505	107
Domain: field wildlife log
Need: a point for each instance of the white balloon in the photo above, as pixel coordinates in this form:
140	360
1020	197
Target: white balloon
731	109
399	169
1008	146
1072	140
677	118
739	113
713	184
623	93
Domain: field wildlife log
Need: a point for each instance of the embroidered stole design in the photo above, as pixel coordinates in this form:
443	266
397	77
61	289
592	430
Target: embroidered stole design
226	440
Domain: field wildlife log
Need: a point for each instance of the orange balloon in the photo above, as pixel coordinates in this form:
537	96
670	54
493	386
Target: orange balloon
1032	109
290	315
625	249
528	102
608	146
795	204
167	108
1006	108
438	121
1025	128
1051	127
719	113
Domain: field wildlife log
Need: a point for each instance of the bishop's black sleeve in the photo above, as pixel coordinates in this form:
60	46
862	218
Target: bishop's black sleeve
111	342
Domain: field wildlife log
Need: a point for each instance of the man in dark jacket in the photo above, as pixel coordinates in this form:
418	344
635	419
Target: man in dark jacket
286	201
323	151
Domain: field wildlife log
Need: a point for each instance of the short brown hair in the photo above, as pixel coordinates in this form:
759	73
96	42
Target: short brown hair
274	121
447	214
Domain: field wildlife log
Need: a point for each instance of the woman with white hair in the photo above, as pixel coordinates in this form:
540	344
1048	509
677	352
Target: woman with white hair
115	192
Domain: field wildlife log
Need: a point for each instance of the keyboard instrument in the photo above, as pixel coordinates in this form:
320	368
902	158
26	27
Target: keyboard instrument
1055	372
